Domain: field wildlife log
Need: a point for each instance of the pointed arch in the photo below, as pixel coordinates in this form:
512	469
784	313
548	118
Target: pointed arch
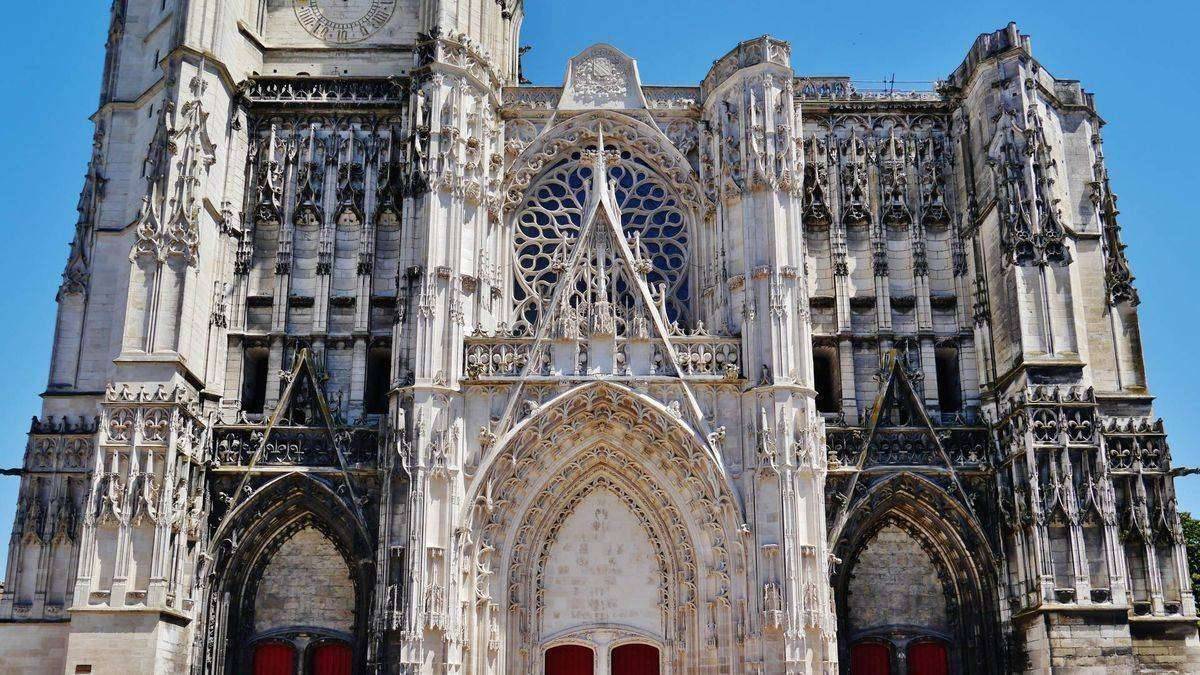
692	546
244	546
565	417
604	436
644	140
654	197
958	548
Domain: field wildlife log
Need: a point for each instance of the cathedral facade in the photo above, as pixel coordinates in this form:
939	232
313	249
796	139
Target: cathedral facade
372	358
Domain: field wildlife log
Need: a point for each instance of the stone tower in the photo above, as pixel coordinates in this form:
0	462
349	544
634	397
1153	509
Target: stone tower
372	358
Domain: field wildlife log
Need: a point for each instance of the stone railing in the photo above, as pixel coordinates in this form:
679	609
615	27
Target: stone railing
967	448
233	446
843	89
308	91
1132	444
698	357
703	356
490	358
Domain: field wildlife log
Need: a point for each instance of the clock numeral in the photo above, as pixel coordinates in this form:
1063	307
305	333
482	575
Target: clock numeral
373	17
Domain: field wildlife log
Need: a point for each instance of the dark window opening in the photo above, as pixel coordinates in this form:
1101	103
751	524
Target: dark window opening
948	381
254	380
826	380
375	395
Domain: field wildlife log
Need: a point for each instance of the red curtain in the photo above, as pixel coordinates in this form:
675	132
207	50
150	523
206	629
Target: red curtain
870	658
635	659
569	660
928	658
274	658
332	658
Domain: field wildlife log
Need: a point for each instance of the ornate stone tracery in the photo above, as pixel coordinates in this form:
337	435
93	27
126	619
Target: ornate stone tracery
547	227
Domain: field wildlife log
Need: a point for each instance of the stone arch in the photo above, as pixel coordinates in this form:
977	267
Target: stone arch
604	436
247	544
644	140
561	418
672	564
949	534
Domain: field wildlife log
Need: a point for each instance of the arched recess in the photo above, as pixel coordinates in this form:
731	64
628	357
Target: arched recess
604	437
291	506
913	512
658	193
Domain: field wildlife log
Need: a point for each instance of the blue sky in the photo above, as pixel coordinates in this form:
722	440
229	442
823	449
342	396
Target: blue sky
1138	58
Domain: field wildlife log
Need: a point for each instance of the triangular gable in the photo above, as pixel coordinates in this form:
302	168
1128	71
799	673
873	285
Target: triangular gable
602	77
302	405
602	223
899	406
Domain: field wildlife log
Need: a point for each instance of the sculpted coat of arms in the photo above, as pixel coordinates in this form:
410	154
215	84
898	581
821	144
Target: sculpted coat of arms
600	78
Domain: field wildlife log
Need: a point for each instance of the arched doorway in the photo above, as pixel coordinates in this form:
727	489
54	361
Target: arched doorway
635	658
915	582
292	581
570	660
617	494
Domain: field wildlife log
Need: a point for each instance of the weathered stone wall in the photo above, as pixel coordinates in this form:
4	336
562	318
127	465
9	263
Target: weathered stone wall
602	568
1086	640
306	583
129	642
895	582
1106	642
1167	655
33	648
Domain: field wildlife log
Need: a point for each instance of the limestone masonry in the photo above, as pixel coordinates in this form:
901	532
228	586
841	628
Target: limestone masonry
373	358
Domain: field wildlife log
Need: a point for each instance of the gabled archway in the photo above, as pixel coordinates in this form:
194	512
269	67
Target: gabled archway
935	543
602	438
304	519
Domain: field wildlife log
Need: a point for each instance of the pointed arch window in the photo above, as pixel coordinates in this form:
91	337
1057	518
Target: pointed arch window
550	220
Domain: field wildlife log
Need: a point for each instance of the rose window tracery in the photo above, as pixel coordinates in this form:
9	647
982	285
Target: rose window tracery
549	223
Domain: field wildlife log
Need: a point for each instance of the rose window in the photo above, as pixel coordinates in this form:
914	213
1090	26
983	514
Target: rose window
549	222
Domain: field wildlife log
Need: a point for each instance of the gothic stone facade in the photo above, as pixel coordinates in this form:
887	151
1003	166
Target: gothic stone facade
371	358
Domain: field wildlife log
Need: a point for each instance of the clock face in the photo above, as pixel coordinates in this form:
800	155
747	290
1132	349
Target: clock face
343	21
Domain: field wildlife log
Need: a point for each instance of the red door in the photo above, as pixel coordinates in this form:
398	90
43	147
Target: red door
870	658
332	658
928	658
569	660
635	659
274	658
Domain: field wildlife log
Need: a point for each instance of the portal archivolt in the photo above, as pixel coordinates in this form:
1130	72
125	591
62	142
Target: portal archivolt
929	541
601	450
